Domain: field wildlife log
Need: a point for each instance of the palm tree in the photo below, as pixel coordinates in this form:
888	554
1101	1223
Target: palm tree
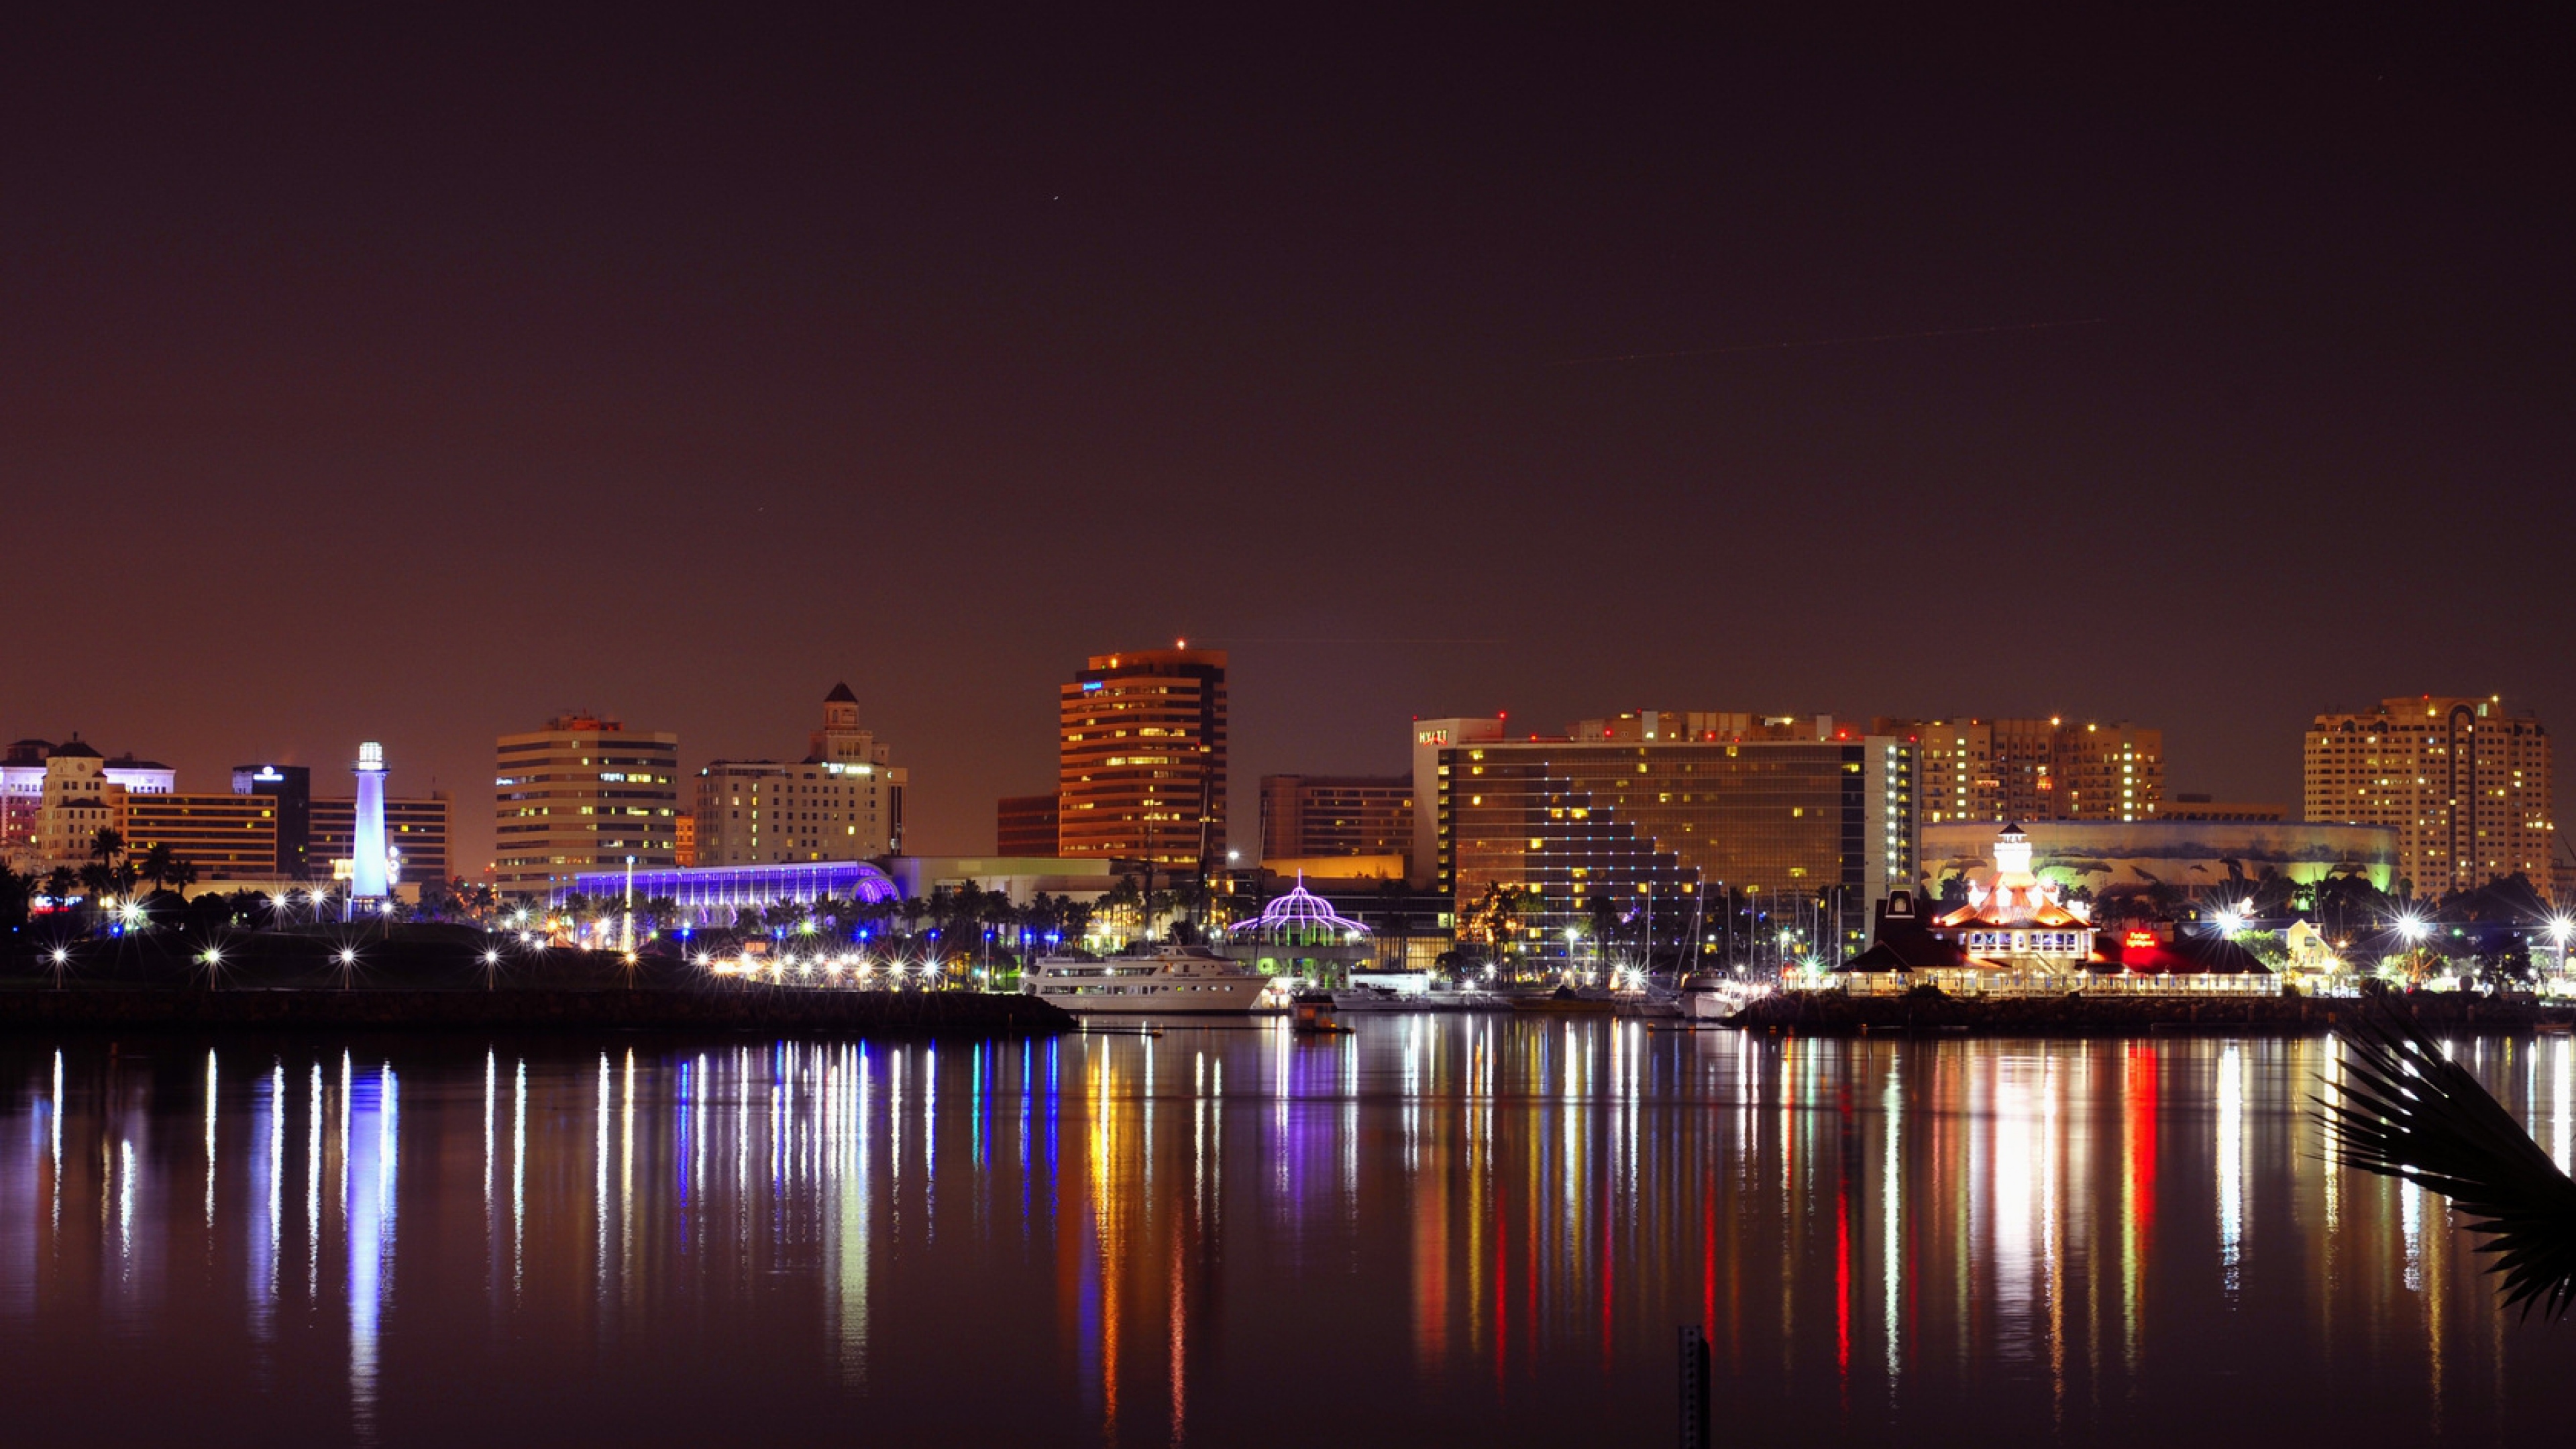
2408	1111
1495	916
158	864
60	882
784	915
107	871
17	893
658	913
96	881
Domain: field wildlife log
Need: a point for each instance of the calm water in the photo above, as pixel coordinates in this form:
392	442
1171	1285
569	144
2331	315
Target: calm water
1438	1230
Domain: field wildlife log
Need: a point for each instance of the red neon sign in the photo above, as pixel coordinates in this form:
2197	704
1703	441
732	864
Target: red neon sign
2139	938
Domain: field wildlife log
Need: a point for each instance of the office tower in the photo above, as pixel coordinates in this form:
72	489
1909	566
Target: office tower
1025	825
1305	817
1141	757
2467	783
581	794
843	801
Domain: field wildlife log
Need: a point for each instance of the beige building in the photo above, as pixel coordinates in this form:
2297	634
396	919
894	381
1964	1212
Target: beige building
2466	783
843	801
2007	770
79	801
1141	757
83	791
582	794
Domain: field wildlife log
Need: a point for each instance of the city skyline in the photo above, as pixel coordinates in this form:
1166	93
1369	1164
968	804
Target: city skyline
964	826
1806	724
1576	372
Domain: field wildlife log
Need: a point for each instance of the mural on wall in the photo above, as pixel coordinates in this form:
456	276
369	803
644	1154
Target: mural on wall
2112	858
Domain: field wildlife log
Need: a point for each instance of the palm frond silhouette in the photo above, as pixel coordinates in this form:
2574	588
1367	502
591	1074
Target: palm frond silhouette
2407	1111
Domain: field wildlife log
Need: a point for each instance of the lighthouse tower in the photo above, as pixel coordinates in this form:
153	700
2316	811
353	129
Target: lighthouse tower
367	885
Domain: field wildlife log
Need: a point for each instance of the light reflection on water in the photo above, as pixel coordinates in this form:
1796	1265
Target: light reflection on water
1435	1229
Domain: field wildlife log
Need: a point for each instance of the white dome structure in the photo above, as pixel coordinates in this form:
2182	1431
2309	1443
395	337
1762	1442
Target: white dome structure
1299	918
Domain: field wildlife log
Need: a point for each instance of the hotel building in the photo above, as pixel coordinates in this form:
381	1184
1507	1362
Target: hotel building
1141	757
2466	782
843	801
581	794
225	837
1656	822
289	789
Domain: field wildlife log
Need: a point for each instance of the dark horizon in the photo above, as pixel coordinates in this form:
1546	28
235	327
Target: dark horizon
415	378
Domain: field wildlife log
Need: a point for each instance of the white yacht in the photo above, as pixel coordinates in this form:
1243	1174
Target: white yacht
1173	981
1714	996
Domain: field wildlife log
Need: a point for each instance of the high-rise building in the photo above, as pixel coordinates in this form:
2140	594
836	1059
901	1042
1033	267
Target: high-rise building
289	789
1141	757
1305	817
2007	770
843	801
2108	771
1652	824
1025	825
2467	782
581	794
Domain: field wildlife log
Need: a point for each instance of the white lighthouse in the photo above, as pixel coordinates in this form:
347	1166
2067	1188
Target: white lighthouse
367	882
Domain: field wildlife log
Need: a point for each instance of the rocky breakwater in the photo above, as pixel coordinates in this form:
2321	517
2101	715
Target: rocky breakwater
872	1013
438	979
1926	1010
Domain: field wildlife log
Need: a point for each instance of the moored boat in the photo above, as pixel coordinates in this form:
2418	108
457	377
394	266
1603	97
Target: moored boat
1564	1001
1173	981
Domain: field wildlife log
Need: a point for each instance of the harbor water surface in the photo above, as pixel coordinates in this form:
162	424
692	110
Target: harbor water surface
1437	1230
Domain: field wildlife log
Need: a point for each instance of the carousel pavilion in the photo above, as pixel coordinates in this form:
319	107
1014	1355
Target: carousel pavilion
1300	934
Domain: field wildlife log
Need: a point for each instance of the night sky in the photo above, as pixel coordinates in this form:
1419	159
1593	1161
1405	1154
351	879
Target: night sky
417	376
